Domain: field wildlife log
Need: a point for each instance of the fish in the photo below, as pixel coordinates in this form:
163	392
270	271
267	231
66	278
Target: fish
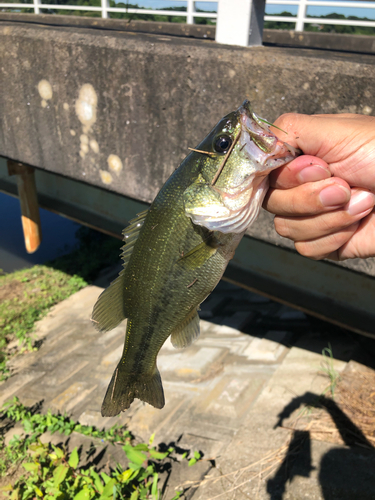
176	252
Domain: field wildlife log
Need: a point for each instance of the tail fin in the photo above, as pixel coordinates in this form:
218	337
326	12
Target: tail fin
124	387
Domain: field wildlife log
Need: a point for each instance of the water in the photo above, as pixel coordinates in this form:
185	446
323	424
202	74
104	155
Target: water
58	236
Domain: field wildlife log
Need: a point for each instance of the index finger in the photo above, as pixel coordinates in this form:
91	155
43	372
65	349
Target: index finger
303	169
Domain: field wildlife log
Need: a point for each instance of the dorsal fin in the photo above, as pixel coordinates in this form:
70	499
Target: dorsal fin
188	331
109	309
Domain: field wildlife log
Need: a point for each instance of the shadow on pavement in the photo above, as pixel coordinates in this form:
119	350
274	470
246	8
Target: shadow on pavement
337	478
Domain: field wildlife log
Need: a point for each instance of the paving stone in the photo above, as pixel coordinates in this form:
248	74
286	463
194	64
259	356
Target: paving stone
232	395
264	350
292	314
109	337
17	430
224	394
74	394
190	363
112	358
15	384
219	329
239	319
211	306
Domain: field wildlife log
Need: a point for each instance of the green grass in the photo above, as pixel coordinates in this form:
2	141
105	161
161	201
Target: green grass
328	369
27	295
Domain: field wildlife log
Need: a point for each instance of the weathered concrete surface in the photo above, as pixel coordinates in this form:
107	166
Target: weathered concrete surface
118	110
224	395
149	98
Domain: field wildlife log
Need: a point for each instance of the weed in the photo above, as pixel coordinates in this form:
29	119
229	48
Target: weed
52	471
328	368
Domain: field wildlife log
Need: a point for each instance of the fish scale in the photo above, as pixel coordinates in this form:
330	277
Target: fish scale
172	263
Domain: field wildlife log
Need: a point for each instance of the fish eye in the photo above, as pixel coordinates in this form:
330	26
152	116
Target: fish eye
222	144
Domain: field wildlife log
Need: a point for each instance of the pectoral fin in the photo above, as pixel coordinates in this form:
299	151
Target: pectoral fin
198	255
188	331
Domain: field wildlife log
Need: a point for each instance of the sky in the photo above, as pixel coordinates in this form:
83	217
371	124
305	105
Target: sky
270	9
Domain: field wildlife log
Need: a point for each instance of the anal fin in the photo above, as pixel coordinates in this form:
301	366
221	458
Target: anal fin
187	332
109	309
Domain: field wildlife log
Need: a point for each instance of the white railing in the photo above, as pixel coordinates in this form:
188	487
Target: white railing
238	21
190	13
301	18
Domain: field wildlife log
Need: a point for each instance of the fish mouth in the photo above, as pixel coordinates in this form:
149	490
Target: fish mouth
264	147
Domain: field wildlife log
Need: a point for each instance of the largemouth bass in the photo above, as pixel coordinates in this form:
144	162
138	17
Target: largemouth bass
176	251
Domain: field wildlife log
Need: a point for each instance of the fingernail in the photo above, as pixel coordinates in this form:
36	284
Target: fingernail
334	196
313	173
360	202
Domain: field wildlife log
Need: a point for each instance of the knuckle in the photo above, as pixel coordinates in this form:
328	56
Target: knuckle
282	227
287	118
307	249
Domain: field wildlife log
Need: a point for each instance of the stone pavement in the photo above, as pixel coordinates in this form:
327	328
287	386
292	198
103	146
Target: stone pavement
223	394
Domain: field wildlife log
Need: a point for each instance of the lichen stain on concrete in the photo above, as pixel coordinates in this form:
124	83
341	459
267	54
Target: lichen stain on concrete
114	163
105	176
94	146
45	92
366	110
86	106
84	145
45	89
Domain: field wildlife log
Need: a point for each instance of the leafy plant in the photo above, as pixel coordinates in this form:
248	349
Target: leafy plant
50	471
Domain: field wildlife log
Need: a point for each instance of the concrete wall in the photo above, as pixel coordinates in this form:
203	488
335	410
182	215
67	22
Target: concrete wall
119	109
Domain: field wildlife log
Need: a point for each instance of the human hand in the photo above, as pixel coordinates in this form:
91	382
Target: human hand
326	217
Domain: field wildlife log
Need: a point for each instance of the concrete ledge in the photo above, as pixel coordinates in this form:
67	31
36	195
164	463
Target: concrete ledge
165	28
326	41
283	38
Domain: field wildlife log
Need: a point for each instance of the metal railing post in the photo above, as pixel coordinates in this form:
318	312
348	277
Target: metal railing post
105	5
190	12
301	15
36	7
240	22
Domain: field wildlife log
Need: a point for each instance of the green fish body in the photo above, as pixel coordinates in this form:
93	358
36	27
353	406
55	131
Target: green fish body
176	252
